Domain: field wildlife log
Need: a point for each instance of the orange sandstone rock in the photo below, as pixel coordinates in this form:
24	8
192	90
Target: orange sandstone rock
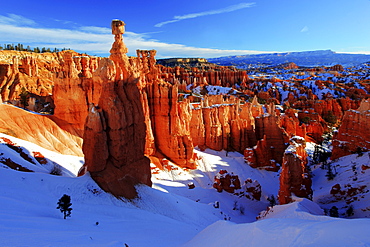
294	176
42	130
253	189
170	123
226	181
114	137
353	134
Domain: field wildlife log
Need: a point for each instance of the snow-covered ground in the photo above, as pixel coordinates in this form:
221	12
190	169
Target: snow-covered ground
169	214
290	226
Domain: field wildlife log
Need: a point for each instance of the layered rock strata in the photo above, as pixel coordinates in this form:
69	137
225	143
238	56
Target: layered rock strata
39	129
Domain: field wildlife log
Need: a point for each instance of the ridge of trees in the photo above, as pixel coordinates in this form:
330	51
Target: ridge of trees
21	47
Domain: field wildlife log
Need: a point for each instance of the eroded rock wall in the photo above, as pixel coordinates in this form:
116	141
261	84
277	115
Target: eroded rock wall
353	135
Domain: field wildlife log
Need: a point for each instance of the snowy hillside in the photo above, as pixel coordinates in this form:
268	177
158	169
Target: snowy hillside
169	214
303	229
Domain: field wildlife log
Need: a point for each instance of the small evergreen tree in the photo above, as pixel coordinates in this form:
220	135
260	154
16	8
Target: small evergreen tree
24	97
64	205
333	212
330	174
330	118
316	155
350	211
272	201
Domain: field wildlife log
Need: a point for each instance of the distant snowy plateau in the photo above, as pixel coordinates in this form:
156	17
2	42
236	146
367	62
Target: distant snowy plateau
171	214
306	59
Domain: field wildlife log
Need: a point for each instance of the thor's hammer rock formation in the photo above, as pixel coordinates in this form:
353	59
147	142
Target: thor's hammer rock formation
115	129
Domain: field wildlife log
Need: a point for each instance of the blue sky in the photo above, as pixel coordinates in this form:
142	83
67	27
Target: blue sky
191	28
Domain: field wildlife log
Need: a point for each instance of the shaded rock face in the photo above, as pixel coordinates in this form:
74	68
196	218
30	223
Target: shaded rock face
348	193
294	176
253	189
353	134
269	149
115	129
170	124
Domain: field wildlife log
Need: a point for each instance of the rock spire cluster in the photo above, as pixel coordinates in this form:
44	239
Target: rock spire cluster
130	111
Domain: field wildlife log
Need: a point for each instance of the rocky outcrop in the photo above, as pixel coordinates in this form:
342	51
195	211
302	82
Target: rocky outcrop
186	62
294	176
307	124
269	150
348	193
336	67
252	189
226	181
114	137
224	124
55	83
353	135
204	74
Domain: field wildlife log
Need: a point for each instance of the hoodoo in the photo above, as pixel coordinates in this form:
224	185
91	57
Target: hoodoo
294	177
115	129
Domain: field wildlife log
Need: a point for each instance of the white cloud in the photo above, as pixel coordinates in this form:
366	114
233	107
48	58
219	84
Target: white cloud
98	41
304	29
205	13
13	19
354	52
92	29
165	50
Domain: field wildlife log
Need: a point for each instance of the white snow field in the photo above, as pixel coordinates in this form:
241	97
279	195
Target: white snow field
169	214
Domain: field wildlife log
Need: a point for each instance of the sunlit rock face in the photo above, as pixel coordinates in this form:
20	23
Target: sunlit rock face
115	129
43	130
353	135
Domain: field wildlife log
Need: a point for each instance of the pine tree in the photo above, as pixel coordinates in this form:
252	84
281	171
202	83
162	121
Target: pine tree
24	97
272	201
333	212
64	205
350	211
330	174
316	155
